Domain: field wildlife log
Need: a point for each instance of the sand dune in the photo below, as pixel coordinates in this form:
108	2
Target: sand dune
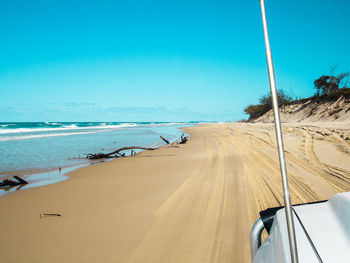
317	110
190	204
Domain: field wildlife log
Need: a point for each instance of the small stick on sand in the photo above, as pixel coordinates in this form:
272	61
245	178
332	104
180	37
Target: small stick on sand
43	215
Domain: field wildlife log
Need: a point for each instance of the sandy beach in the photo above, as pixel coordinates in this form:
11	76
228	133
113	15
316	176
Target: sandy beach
194	203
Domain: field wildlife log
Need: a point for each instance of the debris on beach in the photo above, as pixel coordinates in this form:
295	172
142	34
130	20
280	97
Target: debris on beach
11	183
46	215
184	139
166	141
119	152
116	153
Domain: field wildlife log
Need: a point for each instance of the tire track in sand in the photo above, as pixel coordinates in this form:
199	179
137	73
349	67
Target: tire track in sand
205	218
208	218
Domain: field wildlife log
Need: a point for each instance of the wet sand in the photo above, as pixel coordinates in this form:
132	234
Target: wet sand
191	204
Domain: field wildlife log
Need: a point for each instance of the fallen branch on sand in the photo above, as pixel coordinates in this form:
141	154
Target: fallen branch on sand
117	153
184	139
10	183
166	141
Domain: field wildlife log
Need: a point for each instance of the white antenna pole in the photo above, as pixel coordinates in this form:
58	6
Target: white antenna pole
286	195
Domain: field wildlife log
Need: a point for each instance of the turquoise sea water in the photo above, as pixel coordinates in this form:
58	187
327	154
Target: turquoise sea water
48	145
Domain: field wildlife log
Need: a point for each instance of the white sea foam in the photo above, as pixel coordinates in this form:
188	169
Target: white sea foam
67	127
70	126
36	136
164	124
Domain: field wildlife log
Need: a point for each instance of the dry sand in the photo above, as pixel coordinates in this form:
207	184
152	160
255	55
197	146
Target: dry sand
190	204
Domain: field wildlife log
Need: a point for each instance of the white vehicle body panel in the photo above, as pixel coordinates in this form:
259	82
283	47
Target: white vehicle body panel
327	224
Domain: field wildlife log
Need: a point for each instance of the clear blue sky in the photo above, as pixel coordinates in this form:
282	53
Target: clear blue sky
160	60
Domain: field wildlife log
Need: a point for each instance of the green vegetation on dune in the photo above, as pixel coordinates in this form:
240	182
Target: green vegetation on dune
327	86
265	104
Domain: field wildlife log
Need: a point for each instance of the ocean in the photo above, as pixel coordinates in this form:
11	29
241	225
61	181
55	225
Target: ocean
46	146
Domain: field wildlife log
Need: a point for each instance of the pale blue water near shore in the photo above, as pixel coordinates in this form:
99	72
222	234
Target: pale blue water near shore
49	145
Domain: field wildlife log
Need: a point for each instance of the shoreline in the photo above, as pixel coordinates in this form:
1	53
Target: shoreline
42	177
191	204
50	152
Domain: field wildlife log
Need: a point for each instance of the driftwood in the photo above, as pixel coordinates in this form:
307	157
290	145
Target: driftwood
44	215
117	153
166	141
184	139
10	183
